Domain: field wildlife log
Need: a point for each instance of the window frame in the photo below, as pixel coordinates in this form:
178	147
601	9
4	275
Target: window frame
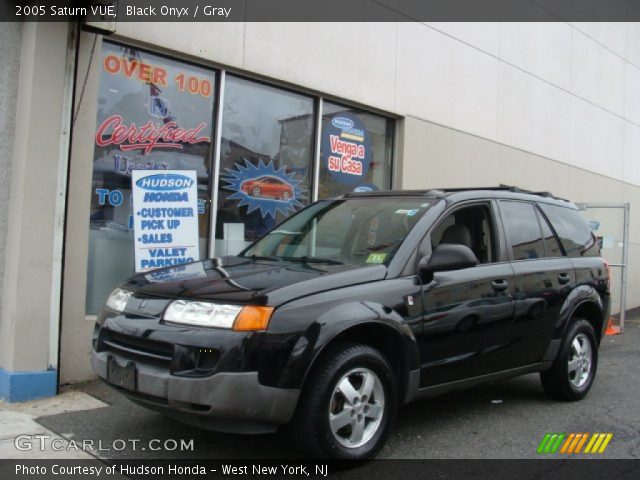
219	74
318	106
543	218
423	249
318	159
594	238
218	96
507	234
162	58
219	134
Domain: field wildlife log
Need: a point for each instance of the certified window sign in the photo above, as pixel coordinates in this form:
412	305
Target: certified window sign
346	148
165	219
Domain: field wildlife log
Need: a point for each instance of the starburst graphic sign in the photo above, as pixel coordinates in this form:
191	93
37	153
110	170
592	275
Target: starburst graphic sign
264	188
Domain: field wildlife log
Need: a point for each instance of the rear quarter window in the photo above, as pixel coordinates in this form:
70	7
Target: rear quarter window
575	235
522	225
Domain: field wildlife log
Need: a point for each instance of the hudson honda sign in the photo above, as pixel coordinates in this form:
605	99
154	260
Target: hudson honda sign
165	218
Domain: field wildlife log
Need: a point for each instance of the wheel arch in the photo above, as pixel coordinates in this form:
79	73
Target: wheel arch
401	353
593	313
583	302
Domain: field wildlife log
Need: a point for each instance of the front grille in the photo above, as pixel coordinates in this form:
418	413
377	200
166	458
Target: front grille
162	402
139	347
145	397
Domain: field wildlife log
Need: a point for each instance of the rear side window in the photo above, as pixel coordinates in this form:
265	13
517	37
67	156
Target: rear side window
550	240
574	233
523	229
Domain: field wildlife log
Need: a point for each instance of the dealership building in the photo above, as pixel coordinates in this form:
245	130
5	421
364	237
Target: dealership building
259	112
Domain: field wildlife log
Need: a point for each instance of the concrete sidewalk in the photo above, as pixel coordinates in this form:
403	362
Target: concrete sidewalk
22	437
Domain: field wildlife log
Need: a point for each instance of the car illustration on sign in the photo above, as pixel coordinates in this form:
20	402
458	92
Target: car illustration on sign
268	186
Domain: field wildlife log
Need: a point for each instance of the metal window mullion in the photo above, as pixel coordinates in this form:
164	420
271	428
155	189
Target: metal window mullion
213	210
316	160
625	265
315	186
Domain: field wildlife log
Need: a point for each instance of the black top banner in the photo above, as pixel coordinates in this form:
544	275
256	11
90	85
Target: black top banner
320	10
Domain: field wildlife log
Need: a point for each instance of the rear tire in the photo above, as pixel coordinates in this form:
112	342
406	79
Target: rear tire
348	405
574	369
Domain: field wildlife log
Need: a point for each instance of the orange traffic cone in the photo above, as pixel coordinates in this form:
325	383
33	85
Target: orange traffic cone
611	328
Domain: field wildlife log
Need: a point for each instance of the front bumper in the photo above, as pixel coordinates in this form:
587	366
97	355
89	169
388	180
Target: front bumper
224	401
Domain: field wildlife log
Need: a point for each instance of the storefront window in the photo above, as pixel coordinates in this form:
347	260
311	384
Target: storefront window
156	113
356	149
153	113
265	160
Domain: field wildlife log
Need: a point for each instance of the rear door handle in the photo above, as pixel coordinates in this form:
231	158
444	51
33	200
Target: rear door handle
563	278
500	285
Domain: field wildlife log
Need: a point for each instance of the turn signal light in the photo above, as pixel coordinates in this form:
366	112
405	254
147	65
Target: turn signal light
253	318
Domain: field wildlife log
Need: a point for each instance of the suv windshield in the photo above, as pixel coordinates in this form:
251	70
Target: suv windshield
356	231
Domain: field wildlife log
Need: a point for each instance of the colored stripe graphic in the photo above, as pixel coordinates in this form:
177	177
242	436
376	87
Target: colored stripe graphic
605	442
583	439
557	443
598	442
568	442
543	443
573	443
594	437
550	442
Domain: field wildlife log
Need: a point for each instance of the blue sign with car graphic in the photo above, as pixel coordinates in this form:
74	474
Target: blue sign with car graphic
264	188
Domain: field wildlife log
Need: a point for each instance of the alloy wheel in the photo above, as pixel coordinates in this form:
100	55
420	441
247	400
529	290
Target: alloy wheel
580	360
356	407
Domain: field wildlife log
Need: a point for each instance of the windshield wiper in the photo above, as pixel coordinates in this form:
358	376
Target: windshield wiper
309	259
255	257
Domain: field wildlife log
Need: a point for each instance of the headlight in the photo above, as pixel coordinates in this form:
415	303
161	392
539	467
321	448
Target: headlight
207	314
118	299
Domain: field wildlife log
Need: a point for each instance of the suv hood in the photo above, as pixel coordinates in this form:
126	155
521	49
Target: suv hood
244	280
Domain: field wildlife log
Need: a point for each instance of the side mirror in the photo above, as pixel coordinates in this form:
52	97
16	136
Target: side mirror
446	257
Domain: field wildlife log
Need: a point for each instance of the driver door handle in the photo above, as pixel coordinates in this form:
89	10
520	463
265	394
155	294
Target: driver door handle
500	285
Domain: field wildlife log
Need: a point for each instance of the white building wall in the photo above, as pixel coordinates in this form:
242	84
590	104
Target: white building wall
569	92
31	125
10	40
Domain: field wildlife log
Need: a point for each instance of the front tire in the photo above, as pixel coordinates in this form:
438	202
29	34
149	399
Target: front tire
348	406
573	371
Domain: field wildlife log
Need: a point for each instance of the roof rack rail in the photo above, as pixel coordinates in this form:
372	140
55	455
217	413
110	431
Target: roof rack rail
440	192
396	193
507	188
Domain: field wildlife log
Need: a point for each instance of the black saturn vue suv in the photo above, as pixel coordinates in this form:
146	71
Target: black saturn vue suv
357	305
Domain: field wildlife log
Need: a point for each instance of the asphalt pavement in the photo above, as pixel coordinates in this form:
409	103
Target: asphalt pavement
506	419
